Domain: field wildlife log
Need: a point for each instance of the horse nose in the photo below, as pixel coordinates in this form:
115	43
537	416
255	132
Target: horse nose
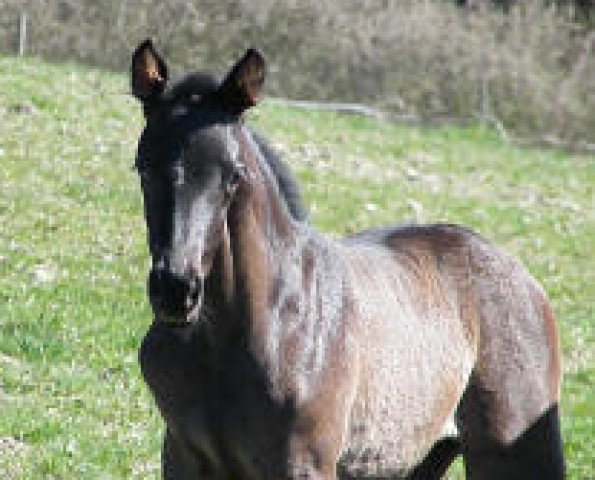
173	296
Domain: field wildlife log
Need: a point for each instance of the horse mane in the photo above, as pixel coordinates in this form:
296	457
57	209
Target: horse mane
288	186
194	85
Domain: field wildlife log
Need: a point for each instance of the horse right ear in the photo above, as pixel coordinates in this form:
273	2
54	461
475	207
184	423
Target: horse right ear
148	72
242	87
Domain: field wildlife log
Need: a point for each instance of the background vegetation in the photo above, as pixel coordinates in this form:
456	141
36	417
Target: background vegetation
528	65
73	257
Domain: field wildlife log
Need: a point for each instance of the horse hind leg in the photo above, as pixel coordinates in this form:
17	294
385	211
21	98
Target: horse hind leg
535	453
436	463
508	417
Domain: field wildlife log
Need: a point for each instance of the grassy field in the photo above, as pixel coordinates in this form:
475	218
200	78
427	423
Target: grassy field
73	257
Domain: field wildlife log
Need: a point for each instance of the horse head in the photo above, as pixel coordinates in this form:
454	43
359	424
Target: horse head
190	168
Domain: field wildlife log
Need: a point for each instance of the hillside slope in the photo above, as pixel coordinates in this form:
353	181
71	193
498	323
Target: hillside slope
73	258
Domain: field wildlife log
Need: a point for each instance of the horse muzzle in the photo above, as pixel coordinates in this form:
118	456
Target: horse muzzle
175	299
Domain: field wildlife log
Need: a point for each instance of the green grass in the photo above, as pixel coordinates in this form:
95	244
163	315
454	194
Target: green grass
73	257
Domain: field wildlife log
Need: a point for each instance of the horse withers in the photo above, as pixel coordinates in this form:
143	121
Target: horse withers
278	353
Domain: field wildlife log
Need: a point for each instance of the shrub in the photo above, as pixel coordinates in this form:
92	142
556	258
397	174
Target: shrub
531	66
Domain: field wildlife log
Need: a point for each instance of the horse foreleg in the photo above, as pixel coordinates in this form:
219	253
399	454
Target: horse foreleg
311	467
312	455
179	462
309	472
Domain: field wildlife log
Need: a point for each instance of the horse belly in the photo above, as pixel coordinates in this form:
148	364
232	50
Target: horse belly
415	361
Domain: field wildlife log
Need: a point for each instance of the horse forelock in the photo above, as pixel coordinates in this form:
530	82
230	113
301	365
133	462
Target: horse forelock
190	86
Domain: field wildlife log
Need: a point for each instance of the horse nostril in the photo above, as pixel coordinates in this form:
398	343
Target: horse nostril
194	293
195	297
173	294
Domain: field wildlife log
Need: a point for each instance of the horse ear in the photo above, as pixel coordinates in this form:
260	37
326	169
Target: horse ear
242	87
148	72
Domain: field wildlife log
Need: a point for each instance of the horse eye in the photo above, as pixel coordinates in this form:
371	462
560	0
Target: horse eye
234	179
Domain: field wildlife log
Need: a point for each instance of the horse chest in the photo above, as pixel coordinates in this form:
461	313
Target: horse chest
220	405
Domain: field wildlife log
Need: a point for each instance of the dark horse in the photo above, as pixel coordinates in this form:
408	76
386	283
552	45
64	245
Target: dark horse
278	353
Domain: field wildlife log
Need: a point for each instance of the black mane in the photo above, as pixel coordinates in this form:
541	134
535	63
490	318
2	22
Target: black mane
195	85
288	186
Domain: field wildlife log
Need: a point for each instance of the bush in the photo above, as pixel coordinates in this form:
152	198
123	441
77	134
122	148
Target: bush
532	67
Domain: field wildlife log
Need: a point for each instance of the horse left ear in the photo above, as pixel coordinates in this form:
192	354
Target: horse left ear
242	87
148	72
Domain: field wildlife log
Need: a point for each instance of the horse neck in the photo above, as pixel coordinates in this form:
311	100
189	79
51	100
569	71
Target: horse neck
262	236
